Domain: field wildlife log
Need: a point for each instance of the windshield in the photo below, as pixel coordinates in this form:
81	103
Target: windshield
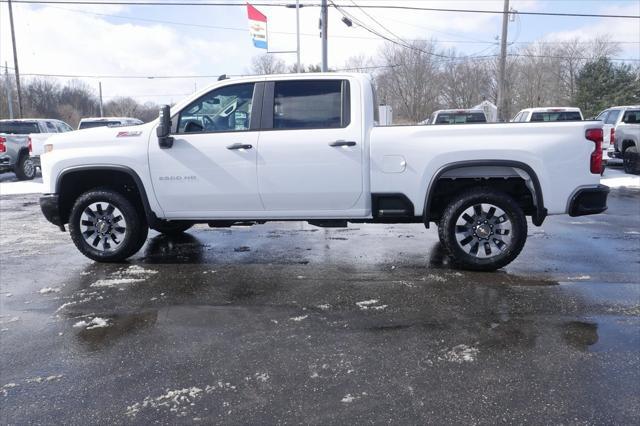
18	127
556	116
460	118
90	124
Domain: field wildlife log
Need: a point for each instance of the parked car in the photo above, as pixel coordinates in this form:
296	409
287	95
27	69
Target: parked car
38	129
627	141
14	156
456	116
90	122
612	117
548	114
306	147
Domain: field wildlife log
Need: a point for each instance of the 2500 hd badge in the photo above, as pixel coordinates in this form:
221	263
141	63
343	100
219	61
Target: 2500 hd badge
177	178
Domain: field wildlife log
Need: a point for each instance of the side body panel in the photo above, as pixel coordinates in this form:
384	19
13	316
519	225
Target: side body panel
404	159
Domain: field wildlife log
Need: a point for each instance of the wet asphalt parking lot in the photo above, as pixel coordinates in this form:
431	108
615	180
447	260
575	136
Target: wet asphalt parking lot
287	323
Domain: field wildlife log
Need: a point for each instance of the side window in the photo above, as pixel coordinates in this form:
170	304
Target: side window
524	117
516	119
612	118
311	104
51	128
226	109
603	115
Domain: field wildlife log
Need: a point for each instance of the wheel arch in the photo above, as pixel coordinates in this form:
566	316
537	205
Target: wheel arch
85	178
539	213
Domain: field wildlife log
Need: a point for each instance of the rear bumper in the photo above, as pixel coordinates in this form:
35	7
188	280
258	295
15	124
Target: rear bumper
50	206
589	201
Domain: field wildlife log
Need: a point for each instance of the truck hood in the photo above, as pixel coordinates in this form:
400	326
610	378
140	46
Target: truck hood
102	136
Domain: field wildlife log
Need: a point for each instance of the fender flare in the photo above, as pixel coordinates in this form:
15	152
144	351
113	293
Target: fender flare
149	213
540	213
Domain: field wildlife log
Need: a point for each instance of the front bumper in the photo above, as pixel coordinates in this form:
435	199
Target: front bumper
589	201
50	206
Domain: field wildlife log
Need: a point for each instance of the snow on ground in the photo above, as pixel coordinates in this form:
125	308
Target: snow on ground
96	322
461	353
10	185
616	178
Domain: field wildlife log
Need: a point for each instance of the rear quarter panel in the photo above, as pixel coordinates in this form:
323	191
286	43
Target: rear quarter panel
557	152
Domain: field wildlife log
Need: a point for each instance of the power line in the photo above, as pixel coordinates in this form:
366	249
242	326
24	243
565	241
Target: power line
370	6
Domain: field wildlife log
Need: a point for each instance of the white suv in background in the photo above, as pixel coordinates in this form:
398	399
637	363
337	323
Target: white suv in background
87	123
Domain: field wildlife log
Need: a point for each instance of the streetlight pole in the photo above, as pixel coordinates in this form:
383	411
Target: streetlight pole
298	35
502	66
15	60
324	15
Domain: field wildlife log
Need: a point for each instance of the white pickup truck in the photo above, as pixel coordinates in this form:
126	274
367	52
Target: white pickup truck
307	147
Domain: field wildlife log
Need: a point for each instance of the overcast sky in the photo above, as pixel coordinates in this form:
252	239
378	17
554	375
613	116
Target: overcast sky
202	40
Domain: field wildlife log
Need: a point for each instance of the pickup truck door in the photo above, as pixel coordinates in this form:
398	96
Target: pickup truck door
210	171
310	149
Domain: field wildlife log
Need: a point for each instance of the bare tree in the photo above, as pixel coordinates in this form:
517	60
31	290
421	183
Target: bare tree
122	107
465	82
267	64
411	81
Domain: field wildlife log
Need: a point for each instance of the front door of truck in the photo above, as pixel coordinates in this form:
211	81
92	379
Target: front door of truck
310	155
210	171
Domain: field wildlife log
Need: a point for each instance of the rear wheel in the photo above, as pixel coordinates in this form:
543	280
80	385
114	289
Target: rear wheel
174	227
25	168
483	229
631	160
106	227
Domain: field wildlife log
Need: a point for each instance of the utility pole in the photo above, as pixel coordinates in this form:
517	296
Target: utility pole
298	35
15	60
502	66
324	16
7	83
100	92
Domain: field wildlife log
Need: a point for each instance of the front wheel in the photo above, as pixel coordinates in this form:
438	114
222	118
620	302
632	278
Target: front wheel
631	160
483	229
106	227
25	168
174	227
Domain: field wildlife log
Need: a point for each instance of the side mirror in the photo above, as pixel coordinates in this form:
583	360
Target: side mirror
164	128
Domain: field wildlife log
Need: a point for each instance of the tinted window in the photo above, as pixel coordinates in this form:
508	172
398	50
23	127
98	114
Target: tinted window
460	118
310	104
603	115
18	127
63	127
51	128
632	116
613	116
556	116
227	109
101	123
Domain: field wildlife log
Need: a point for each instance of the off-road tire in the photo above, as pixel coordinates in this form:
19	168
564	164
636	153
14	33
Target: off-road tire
174	227
132	220
631	160
452	238
25	168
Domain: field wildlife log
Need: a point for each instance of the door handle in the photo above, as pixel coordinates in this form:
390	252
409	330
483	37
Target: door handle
240	146
342	143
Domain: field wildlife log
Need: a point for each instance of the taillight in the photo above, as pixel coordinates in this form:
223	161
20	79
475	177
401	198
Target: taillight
2	147
612	140
30	145
595	136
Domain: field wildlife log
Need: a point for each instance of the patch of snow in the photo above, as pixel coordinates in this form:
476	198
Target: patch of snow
176	401
262	377
580	277
47	290
348	399
8	295
462	353
324	307
80	324
617	179
436	278
379	308
44	379
96	322
5	388
139	270
113	282
629	232
34	186
10	320
300	318
366	303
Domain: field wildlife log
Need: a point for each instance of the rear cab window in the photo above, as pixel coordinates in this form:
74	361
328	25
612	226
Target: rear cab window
311	104
556	116
19	127
631	116
460	118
